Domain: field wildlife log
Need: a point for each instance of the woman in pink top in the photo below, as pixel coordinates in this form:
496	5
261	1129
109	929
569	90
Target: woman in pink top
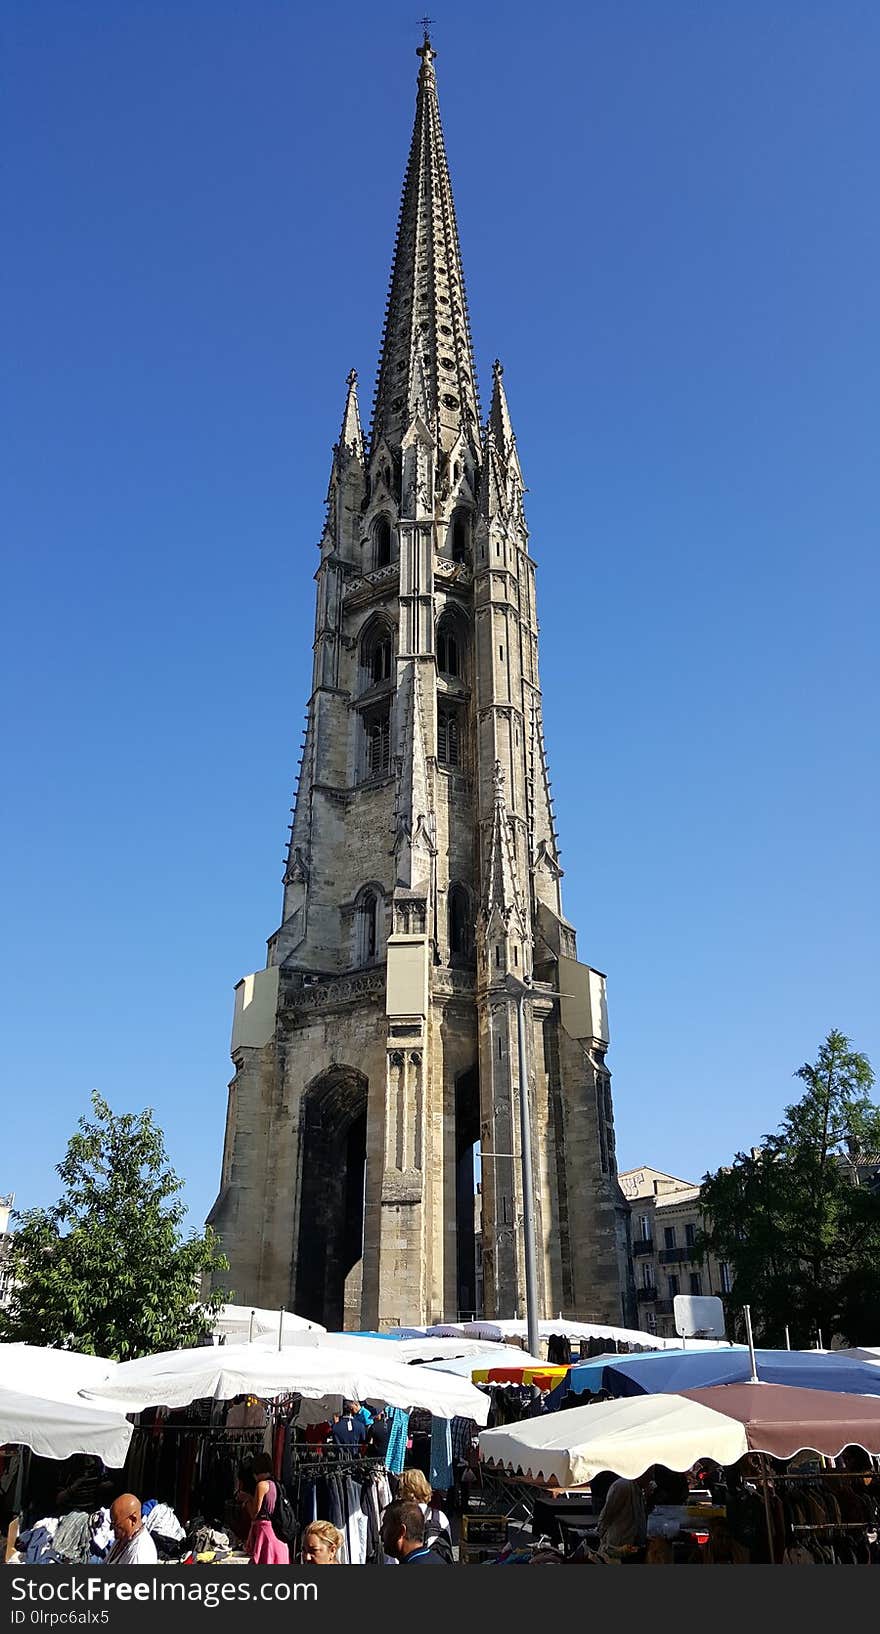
263	1547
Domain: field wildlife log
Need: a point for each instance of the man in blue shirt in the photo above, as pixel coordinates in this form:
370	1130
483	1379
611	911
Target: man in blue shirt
349	1429
403	1535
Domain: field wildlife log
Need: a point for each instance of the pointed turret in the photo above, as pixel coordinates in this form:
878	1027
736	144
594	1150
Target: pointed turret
351	437
502	911
492	490
499	413
415	842
500	438
426	366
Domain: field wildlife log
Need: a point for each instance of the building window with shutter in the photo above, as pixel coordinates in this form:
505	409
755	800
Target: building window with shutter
690	1234
669	1237
460	916
696	1283
368	927
377	742
448	737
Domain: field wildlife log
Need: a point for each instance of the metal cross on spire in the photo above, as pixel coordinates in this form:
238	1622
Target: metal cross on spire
426	50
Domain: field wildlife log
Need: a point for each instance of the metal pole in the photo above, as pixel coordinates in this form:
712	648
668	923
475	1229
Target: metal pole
820	1345
251	1328
748	1316
787	1338
280	1326
525	1132
767	1507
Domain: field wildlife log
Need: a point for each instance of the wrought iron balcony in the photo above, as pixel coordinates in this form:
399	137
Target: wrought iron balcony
685	1254
642	1246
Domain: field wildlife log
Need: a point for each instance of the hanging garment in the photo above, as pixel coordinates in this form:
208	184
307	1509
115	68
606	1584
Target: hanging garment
440	1474
355	1525
394	1457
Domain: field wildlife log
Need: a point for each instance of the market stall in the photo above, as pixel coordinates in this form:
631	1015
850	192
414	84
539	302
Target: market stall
568	1450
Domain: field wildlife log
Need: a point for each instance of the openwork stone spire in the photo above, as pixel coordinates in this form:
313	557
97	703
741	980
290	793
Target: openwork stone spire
351	437
427	364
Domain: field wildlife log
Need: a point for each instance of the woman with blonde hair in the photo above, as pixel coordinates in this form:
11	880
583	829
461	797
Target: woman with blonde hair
320	1544
413	1485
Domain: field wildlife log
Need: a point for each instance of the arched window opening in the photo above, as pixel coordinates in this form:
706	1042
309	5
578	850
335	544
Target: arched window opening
368	928
459	539
380	662
377	654
382	543
459	917
448	738
448	650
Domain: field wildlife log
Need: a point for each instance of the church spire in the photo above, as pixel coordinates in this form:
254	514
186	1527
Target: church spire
427	364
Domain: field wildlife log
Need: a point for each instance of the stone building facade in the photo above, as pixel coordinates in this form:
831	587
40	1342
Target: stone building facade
666	1222
7	1205
378	1048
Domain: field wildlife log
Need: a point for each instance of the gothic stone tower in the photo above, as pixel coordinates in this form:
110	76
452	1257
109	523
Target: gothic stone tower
379	1045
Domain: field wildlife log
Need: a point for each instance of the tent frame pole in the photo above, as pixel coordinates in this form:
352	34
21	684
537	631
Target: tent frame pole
767	1509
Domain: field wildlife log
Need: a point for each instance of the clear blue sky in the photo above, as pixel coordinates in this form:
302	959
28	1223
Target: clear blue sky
669	224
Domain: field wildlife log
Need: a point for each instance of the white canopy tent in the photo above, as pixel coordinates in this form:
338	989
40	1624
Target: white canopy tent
515	1328
242	1324
58	1428
324	1377
37	1369
426	1349
486	1356
41	1409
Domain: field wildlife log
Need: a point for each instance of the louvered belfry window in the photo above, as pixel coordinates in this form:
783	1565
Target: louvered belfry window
448	738
378	733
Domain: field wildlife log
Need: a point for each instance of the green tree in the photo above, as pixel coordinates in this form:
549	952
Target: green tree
792	1218
107	1269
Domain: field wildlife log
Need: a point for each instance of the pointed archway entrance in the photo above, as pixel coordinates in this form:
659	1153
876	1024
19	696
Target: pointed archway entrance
467	1133
331	1209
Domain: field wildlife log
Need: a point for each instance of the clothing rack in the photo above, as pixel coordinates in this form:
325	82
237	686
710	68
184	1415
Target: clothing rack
825	1475
833	1526
333	1458
217	1432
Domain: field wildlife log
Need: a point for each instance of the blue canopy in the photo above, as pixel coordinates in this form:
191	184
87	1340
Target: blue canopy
671	1370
